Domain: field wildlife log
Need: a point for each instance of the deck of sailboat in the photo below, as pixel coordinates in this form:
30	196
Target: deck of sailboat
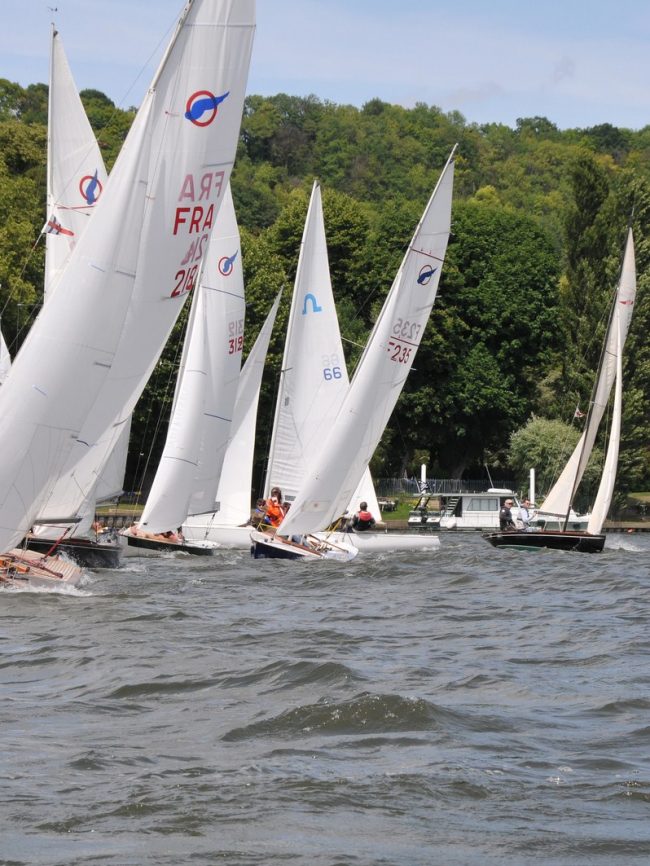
26	568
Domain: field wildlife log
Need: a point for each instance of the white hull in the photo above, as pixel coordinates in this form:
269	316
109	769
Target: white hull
379	542
26	568
237	537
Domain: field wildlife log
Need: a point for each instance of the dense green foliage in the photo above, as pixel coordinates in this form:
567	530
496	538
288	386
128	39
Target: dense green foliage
539	222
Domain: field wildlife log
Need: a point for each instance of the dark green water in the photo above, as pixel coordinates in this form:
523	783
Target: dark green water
468	706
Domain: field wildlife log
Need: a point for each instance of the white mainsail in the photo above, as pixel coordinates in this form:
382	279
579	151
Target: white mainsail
76	178
560	497
381	373
96	340
606	488
233	498
188	474
314	378
76	175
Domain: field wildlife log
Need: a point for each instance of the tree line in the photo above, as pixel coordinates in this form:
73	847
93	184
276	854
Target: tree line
539	221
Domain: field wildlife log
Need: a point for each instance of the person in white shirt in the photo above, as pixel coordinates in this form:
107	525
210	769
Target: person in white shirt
524	514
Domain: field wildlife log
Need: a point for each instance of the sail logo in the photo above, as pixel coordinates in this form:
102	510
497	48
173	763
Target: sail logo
201	103
315	308
226	265
90	188
426	272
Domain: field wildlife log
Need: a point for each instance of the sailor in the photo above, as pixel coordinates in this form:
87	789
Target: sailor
506	523
524	515
363	519
275	509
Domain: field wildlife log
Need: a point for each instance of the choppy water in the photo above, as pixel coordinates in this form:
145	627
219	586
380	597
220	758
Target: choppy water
469	706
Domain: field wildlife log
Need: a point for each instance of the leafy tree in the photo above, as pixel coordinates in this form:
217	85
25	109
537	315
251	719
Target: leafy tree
545	445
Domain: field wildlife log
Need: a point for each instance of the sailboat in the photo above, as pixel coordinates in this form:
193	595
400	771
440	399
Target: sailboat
188	473
337	469
226	520
96	340
313	385
76	179
559	501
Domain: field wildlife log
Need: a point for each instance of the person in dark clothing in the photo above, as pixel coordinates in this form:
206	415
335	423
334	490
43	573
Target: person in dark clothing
506	522
363	519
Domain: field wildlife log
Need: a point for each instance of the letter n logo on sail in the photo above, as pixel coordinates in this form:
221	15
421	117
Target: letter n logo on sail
314	305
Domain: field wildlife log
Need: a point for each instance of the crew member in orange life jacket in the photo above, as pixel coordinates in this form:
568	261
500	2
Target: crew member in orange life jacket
275	508
363	519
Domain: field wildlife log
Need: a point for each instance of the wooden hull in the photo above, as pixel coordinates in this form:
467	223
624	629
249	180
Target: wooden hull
83	551
195	548
584	542
26	568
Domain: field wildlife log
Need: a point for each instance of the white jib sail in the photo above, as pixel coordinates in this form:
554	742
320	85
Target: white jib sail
606	488
76	175
559	499
314	378
95	342
199	427
233	499
381	373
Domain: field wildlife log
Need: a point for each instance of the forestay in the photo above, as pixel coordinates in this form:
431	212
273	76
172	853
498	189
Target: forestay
94	344
381	373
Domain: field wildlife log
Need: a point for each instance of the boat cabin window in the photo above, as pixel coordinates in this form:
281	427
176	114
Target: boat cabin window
482	504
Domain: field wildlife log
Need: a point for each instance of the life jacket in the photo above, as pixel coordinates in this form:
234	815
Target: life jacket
274	512
364	520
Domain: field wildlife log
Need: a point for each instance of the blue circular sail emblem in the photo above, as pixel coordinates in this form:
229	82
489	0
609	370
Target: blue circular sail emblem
226	265
426	272
202	107
90	188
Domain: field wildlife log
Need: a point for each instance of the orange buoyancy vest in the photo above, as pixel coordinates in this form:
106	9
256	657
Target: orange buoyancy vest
275	512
